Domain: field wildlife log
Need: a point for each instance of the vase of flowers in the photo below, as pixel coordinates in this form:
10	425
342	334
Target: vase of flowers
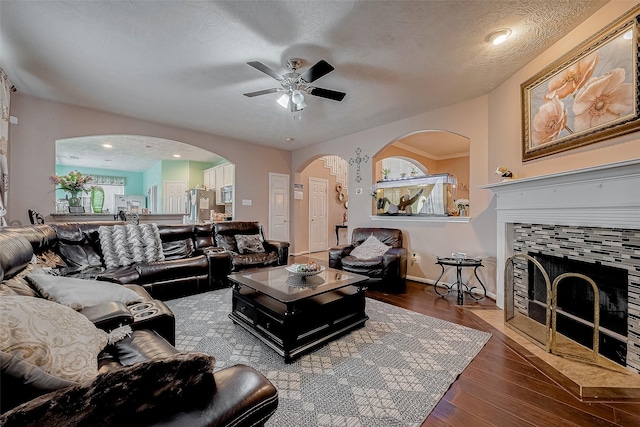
74	200
463	206
73	183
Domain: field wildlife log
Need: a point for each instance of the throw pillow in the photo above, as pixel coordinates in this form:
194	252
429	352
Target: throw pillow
228	243
249	243
80	293
124	245
142	394
370	248
51	336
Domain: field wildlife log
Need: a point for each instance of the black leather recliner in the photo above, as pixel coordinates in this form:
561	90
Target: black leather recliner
388	272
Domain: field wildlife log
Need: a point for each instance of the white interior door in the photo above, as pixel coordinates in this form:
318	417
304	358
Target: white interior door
175	197
279	207
318	207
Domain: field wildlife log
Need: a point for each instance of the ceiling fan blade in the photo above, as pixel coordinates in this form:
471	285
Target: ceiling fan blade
262	92
265	69
320	69
327	93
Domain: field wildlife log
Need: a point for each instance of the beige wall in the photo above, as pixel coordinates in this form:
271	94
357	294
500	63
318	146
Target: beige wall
492	124
425	239
459	167
300	241
505	148
41	123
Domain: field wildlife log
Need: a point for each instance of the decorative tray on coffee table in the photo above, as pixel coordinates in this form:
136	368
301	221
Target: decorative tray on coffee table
295	269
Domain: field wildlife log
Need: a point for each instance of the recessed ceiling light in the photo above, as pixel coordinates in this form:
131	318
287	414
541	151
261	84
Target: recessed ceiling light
499	36
290	139
107	145
177	155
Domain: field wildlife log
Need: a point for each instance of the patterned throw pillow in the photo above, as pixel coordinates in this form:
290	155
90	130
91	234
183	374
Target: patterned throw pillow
370	248
51	336
228	243
249	243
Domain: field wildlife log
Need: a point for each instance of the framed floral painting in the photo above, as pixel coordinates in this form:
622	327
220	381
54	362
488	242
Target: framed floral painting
589	95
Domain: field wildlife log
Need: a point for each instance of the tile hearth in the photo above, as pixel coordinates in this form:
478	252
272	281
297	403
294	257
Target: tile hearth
607	381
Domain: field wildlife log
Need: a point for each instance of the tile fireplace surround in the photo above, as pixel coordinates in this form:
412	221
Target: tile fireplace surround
600	203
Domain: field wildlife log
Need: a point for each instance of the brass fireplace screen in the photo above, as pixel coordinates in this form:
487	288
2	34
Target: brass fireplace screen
546	336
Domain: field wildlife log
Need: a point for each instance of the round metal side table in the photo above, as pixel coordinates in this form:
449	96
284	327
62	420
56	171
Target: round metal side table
459	264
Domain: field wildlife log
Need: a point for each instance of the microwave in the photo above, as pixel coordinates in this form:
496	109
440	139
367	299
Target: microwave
226	194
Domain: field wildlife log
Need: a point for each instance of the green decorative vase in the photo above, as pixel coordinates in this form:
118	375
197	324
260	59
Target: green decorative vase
97	199
74	200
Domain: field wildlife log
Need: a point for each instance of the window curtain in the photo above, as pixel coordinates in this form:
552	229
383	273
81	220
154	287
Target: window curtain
5	100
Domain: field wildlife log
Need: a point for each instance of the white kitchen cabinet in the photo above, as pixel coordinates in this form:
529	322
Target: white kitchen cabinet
210	178
228	174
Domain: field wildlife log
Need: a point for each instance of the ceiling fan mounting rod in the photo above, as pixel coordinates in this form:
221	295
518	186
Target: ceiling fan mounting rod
294	64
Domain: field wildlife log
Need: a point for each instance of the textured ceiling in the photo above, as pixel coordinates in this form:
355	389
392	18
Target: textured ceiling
184	63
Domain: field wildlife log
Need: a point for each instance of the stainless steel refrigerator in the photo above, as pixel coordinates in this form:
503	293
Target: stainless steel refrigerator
200	203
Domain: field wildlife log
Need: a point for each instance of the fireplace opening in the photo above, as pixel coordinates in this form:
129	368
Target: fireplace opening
575	302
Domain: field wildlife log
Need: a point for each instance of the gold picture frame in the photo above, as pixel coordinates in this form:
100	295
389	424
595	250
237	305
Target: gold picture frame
589	95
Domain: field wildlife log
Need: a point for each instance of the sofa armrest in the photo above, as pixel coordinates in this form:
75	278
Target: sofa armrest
336	254
394	254
394	264
279	246
243	397
173	269
122	275
108	315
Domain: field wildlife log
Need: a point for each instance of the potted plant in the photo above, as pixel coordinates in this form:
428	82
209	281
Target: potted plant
385	173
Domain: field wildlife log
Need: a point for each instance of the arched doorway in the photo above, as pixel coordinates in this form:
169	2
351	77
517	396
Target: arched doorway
321	200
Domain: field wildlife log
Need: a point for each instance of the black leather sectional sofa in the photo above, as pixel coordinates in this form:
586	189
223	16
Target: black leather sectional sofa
193	263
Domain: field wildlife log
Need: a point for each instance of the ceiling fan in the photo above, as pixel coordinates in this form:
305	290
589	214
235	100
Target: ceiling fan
293	84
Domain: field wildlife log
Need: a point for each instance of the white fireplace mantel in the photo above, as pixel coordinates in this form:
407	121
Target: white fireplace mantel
603	196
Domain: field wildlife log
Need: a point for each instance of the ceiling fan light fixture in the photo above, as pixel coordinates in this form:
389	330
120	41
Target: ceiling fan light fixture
284	100
297	97
499	36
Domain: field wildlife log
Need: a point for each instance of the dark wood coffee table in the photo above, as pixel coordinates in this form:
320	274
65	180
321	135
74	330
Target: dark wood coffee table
293	316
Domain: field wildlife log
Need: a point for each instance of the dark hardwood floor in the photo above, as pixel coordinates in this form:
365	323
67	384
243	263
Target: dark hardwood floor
499	387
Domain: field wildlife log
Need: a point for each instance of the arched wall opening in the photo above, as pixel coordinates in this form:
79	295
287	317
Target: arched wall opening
138	167
426	152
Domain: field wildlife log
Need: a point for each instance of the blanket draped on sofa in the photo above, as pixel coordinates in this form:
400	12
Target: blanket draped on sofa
128	244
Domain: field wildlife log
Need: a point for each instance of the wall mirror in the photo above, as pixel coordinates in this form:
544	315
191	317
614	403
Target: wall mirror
146	164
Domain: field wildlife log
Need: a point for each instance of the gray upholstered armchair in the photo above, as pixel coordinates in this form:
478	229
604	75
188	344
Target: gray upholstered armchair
387	272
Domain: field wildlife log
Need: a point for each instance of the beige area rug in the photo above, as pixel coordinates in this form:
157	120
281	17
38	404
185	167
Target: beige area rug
391	372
